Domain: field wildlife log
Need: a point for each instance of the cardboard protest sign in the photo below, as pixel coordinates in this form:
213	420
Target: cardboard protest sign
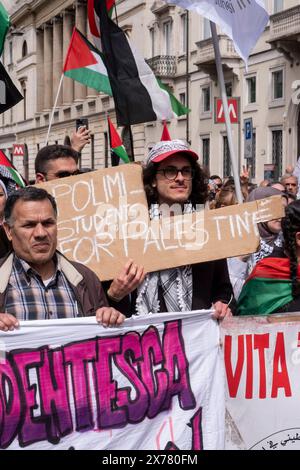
103	221
262	360
156	383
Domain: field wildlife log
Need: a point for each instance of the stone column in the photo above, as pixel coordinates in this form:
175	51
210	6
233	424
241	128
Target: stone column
68	84
58	56
48	67
40	87
80	21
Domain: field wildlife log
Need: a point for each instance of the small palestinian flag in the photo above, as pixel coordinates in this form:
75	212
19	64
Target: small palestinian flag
116	144
84	64
165	133
10	171
268	288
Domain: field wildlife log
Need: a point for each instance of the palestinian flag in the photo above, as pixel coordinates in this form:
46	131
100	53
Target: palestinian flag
10	171
165	133
84	64
4	25
139	97
116	145
268	288
94	20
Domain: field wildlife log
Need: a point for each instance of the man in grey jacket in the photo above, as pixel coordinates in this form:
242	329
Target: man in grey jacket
36	281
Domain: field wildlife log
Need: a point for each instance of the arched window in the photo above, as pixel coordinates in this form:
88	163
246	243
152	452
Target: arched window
24	49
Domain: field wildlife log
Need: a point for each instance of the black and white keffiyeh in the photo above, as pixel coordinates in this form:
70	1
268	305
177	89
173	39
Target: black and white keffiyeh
176	284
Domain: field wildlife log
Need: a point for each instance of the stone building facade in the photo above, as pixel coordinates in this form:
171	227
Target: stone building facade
178	47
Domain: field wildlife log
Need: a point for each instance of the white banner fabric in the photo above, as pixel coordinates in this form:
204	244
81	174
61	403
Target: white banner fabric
155	383
262	364
242	20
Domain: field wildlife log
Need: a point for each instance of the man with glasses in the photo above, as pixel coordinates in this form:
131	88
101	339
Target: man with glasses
172	178
55	161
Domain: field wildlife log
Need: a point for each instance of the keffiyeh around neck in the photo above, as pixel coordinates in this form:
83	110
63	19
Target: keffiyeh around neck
176	284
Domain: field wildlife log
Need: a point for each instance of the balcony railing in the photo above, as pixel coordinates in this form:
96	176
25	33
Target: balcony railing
163	65
285	24
206	50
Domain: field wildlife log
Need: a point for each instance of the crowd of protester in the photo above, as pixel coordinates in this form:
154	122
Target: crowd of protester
37	282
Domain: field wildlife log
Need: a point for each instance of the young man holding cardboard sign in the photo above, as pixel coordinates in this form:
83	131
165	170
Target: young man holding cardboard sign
173	178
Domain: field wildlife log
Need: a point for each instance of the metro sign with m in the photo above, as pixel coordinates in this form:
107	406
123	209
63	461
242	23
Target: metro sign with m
233	105
18	150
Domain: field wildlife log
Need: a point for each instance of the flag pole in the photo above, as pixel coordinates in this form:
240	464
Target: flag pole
233	158
54	107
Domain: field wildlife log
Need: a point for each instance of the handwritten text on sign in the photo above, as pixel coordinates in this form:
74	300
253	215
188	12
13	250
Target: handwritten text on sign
103	220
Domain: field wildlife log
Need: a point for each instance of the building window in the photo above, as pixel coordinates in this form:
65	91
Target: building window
182	98
277	152
92	151
278	6
228	88
10	52
206	29
167	30
206	107
24	102
251	90
253	159
24	49
152	39
205	152
105	150
184	33
277	84
226	158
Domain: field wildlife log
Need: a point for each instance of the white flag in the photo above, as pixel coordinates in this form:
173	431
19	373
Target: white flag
242	20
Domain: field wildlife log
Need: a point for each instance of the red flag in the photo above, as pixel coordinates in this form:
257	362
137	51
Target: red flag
165	133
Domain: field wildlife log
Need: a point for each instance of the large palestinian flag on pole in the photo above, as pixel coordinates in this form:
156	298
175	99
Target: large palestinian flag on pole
10	171
116	144
268	288
84	64
139	97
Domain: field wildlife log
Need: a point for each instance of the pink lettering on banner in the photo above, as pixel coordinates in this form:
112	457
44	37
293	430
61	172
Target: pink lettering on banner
111	381
10	403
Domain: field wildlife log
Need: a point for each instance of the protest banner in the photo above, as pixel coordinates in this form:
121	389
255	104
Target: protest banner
262	363
155	383
103	221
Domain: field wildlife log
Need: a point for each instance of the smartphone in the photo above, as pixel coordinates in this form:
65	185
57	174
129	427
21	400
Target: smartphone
82	122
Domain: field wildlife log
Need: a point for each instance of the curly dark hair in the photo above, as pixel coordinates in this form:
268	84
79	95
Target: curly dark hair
199	194
290	226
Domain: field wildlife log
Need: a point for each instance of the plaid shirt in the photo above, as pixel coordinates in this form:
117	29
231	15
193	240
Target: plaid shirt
29	299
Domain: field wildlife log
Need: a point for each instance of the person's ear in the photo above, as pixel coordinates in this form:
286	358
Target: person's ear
40	178
297	236
7	229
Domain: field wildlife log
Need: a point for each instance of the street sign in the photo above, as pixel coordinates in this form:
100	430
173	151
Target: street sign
18	150
233	106
248	138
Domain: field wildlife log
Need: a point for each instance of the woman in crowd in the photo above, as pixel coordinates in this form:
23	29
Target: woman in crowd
173	176
274	284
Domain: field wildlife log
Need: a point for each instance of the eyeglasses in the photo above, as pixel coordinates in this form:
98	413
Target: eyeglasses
171	172
291	184
65	174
